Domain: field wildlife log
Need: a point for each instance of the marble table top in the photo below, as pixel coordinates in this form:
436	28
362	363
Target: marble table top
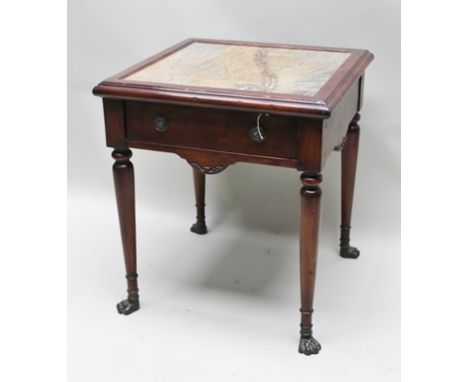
300	72
290	79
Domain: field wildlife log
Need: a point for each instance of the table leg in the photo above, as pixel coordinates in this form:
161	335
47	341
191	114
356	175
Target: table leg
125	192
349	156
309	233
199	184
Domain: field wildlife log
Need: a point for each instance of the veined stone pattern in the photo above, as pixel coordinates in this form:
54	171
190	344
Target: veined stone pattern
245	68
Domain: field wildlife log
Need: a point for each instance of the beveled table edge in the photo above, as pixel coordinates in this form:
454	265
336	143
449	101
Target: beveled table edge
318	106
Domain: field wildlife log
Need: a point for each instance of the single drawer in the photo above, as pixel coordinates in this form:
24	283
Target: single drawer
211	129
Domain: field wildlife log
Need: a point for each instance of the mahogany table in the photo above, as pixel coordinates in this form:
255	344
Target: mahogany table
215	103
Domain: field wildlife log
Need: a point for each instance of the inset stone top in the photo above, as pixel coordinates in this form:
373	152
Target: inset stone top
291	79
247	68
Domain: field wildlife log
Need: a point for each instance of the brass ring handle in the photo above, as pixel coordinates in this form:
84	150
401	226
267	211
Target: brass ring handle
160	124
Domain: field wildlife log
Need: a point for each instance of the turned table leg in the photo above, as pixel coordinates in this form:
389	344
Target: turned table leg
309	233
125	193
199	184
348	173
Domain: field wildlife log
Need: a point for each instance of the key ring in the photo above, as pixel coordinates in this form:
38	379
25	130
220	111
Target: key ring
258	125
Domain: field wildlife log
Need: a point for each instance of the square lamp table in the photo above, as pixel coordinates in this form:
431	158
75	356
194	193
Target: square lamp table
215	103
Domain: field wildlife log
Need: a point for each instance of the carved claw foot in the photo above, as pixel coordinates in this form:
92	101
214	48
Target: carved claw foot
199	228
128	306
349	252
309	345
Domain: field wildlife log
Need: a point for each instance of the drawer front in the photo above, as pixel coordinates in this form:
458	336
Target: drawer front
211	129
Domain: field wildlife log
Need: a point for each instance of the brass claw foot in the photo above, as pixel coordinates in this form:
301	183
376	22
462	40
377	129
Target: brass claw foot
349	252
309	345
128	306
199	228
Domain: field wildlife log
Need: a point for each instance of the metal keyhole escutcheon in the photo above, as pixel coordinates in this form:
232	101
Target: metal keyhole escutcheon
160	124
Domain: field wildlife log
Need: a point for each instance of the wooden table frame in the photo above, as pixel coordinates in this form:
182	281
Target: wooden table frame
304	130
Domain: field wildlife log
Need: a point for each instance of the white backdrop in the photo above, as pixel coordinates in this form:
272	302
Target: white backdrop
226	305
